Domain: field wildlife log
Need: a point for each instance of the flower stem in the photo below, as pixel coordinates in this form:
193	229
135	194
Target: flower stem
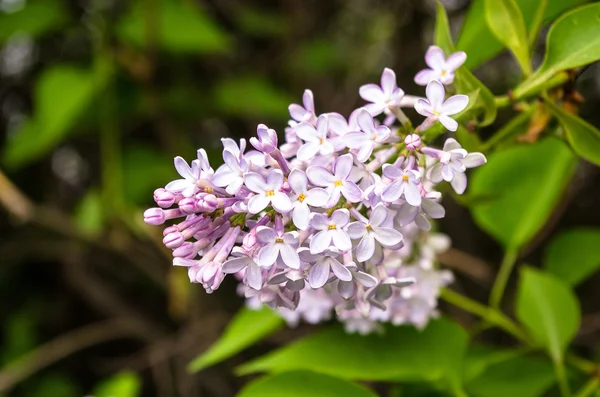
510	258
561	376
589	388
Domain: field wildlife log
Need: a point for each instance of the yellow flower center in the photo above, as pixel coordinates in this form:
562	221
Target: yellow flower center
332	226
279	240
444	73
208	190
339	183
436	113
301	197
405	178
270	193
368	227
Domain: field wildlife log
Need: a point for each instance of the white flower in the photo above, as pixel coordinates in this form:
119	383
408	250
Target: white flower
442	69
435	108
405	183
278	245
316	197
370	232
315	138
267	192
365	141
330	231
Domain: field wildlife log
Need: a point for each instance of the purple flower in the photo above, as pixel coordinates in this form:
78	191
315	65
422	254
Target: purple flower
316	197
412	141
231	174
337	183
429	208
366	139
442	69
278	245
383	97
316	140
323	264
405	183
266	141
371	231
454	160
304	114
435	108
267	192
347	289
188	186
253	275
330	231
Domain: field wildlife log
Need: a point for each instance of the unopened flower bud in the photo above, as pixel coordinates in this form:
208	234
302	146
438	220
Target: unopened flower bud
164	198
154	216
189	205
412	142
173	240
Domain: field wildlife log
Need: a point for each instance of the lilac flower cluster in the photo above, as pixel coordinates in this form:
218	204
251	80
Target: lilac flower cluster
337	218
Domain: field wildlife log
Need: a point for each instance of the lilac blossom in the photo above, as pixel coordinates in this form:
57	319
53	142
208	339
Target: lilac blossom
384	96
371	232
267	192
304	113
323	264
315	139
304	198
441	68
405	184
338	182
277	245
365	140
231	174
331	231
435	108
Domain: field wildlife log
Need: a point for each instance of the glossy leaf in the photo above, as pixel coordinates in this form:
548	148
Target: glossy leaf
465	80
55	114
36	18
574	255
123	384
303	384
549	309
479	42
516	191
245	329
180	27
510	373
573	41
506	22
583	137
401	353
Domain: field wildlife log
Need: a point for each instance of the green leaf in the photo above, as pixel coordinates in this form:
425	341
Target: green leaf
583	137
89	214
143	167
519	188
513	375
262	22
123	384
251	97
303	384
465	80
400	354
479	42
468	139
37	18
573	41
573	255
245	329
181	26
549	309
506	22
62	94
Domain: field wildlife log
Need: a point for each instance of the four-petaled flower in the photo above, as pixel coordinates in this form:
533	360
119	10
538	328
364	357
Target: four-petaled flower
405	183
331	230
316	140
369	135
383	97
323	264
267	192
371	231
435	108
241	261
304	114
277	245
337	183
316	197
231	174
442	69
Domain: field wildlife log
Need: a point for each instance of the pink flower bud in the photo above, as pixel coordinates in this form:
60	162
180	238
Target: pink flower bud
164	198
187	250
412	142
173	240
154	216
189	205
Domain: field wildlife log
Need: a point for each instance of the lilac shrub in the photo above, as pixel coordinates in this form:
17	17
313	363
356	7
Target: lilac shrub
337	219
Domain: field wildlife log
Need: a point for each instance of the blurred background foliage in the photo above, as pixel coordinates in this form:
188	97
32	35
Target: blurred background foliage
98	96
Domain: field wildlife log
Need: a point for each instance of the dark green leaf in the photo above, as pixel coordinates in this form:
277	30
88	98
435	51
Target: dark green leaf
181	26
262	23
549	309
251	97
583	137
573	41
123	384
506	22
401	354
245	329
143	168
303	384
521	188
574	255
35	19
479	42
62	94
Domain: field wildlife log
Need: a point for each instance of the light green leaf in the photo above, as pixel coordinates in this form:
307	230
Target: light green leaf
506	22
251	97
574	255
549	309
468	139
573	41
400	354
35	19
465	80
181	26
479	42
123	384
303	384
89	214
510	373
62	94
583	137
513	195
245	329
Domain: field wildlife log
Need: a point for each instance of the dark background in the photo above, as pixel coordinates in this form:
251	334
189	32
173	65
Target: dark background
97	97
